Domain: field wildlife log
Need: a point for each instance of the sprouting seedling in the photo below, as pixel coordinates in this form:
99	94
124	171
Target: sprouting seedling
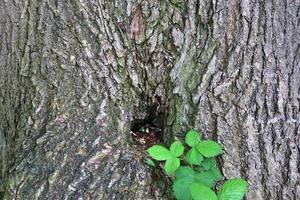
196	180
149	162
161	153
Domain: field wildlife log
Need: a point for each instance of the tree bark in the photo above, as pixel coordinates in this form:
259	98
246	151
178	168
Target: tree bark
74	75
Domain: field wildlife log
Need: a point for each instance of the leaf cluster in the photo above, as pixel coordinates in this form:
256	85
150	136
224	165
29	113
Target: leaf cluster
196	172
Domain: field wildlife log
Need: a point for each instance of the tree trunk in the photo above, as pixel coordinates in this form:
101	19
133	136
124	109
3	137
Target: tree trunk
76	75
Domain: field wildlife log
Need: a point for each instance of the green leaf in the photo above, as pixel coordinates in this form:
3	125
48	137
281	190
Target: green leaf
159	152
209	148
176	149
192	138
201	192
181	188
216	173
233	189
184	177
184	172
205	178
194	157
149	162
208	163
171	165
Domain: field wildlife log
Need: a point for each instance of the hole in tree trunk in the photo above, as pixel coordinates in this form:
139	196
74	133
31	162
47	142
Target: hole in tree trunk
148	131
149	127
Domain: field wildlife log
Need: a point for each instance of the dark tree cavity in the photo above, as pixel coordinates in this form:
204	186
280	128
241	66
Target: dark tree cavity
76	74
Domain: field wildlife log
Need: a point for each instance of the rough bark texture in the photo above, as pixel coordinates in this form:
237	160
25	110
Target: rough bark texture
74	75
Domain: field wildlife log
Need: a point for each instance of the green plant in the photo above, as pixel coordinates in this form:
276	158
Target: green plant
196	172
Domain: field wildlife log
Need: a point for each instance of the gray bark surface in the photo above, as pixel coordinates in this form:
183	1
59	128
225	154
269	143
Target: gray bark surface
75	74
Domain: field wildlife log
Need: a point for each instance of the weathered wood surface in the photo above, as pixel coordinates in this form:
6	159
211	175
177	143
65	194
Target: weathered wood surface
74	74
